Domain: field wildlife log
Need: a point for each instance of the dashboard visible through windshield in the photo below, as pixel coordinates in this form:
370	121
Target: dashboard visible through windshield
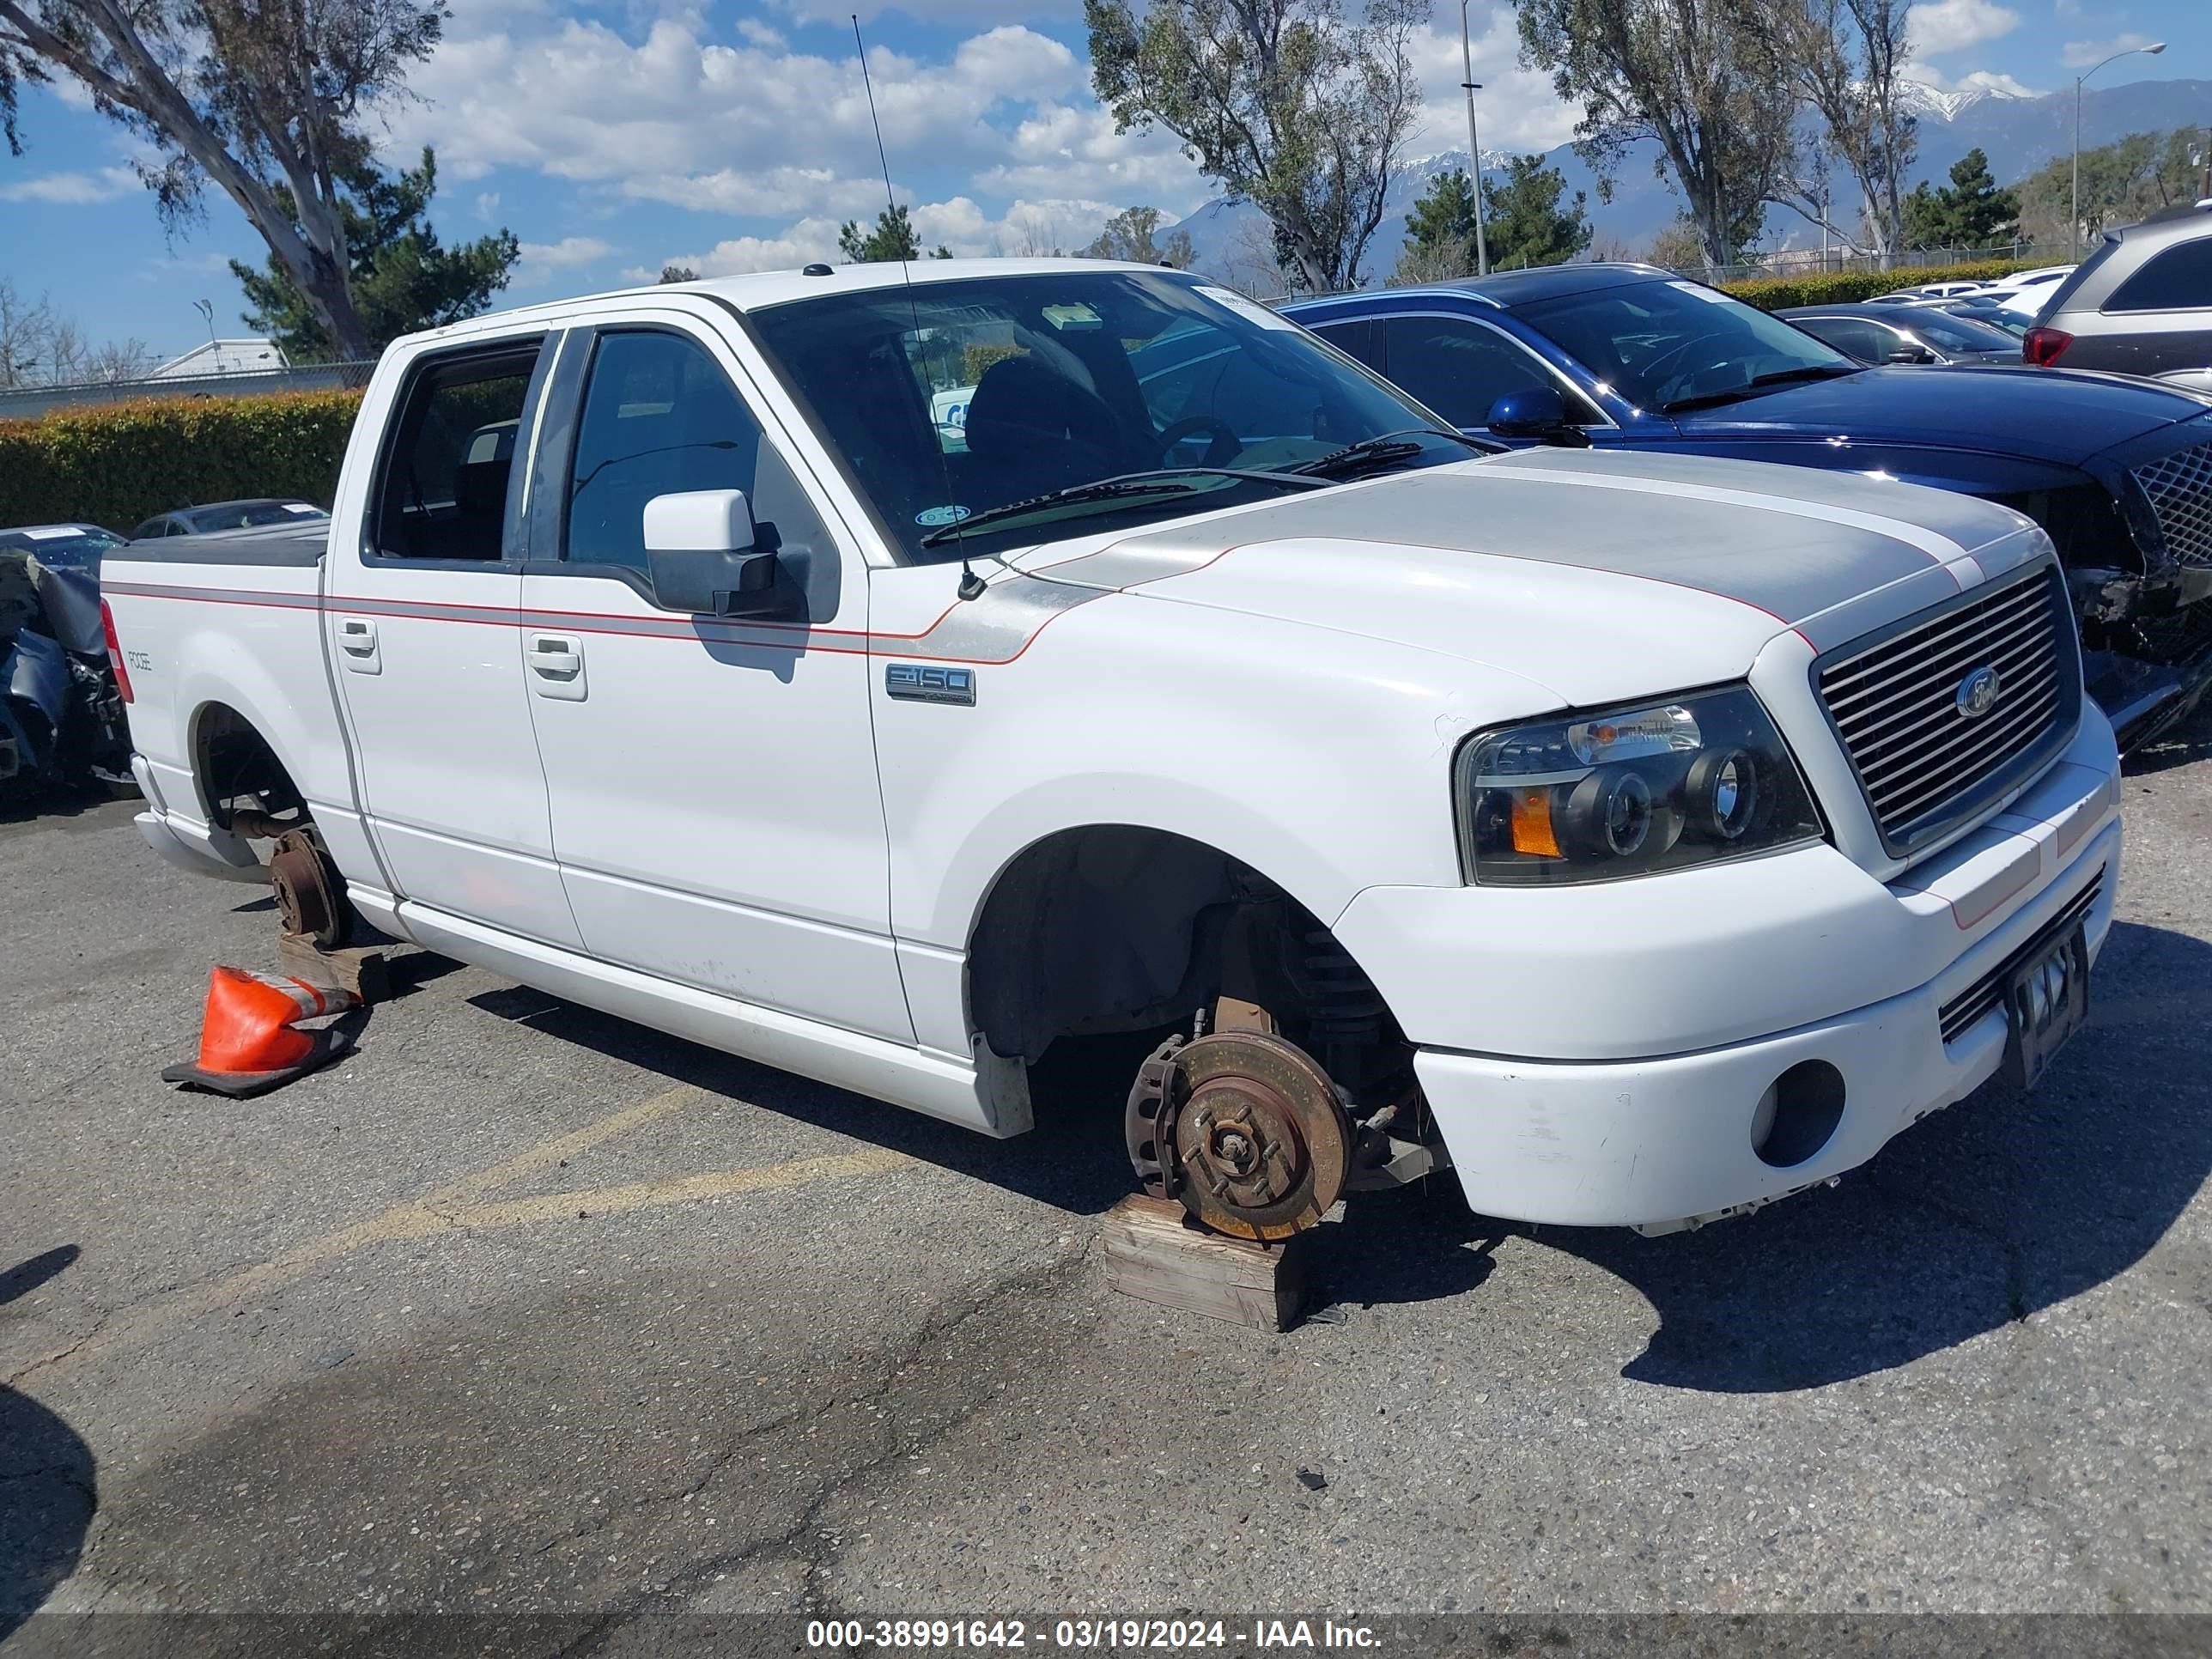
951	400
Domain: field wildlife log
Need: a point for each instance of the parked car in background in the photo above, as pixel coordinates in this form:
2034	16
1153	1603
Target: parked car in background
1988	311
228	515
2119	472
62	546
1522	813
2140	304
1897	334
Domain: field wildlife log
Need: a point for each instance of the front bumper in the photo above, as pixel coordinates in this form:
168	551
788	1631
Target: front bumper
1595	1134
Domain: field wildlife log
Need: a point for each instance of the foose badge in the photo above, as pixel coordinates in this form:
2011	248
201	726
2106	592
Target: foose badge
922	682
1977	693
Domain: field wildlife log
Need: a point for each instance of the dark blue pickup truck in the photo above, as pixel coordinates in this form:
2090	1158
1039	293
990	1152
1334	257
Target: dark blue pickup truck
2118	470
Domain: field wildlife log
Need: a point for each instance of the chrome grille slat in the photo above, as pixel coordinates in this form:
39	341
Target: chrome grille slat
1936	717
1895	703
1971	1006
1979	621
2180	487
1915	704
2035	718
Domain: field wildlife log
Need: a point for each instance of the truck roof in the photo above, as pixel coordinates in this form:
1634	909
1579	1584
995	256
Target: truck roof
757	289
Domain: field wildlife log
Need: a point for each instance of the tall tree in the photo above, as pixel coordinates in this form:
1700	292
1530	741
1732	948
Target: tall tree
1970	211
1846	59
678	274
1439	232
268	100
1527	225
893	238
1129	235
1686	74
402	279
1289	104
2121	182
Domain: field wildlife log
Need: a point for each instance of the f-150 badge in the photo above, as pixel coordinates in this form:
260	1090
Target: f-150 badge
929	682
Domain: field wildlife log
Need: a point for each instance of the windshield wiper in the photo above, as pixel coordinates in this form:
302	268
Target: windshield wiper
1381	451
1161	481
1757	383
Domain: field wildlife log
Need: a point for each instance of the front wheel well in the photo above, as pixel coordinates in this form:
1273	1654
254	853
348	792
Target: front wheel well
1118	927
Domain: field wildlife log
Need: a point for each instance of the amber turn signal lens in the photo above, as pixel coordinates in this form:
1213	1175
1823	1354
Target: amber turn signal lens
1532	825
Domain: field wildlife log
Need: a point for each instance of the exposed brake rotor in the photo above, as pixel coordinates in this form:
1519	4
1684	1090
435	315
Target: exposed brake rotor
307	893
1243	1129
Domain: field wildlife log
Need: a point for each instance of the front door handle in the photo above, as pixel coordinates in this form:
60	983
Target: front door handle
357	641
557	666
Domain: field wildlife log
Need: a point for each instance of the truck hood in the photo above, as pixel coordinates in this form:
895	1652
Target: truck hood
1597	575
2047	415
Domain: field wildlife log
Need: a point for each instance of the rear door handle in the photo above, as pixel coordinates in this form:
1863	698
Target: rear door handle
357	640
557	666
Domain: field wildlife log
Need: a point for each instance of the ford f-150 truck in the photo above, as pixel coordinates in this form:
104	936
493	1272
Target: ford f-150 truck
1646	836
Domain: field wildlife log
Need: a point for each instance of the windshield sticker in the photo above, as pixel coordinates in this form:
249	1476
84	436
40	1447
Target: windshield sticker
1250	310
303	509
935	518
50	533
1711	295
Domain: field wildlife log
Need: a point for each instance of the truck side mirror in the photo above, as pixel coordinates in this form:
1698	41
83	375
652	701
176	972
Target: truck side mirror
1909	354
1538	413
700	552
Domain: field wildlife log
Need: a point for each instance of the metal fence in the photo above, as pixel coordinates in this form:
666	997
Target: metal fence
29	403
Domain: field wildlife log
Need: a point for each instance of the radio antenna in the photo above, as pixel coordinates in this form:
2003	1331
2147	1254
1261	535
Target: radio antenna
971	585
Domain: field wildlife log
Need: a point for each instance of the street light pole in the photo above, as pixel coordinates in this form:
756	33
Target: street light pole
2074	230
1473	141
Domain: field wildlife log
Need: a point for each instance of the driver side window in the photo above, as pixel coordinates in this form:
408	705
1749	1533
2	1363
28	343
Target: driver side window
1460	368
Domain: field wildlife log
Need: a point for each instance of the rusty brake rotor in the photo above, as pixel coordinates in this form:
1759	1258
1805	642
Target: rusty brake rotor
307	897
1243	1129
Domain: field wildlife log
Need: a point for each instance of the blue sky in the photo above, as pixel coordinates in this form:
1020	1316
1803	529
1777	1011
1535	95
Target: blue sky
613	136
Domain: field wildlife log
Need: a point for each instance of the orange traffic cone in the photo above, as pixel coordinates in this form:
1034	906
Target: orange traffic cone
250	1040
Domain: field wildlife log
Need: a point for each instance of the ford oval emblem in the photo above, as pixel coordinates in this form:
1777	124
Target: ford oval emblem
1977	693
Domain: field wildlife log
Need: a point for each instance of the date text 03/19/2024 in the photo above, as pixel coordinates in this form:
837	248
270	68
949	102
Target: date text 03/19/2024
1092	1635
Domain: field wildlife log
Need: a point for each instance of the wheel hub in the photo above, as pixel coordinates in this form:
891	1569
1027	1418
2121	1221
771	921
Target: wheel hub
1243	1129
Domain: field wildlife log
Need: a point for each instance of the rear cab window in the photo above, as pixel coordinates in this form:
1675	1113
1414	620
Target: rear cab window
447	461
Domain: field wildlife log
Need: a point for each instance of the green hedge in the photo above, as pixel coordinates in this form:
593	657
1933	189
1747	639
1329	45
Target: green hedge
119	464
1837	287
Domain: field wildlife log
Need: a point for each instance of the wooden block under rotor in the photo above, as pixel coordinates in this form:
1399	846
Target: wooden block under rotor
1154	1254
362	969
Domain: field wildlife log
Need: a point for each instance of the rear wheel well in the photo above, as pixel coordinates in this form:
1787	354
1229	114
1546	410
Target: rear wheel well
1117	928
238	770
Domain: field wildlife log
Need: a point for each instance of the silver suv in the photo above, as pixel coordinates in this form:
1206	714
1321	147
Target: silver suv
2141	304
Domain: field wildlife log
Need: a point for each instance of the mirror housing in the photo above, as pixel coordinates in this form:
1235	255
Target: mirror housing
1909	354
1538	413
700	552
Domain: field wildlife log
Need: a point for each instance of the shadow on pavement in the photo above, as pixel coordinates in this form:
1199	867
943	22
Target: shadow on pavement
1985	1213
47	1489
1990	1210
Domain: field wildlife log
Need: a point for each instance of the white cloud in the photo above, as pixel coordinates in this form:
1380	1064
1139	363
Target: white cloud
935	11
541	259
1940	26
581	102
487	204
808	240
72	189
2081	54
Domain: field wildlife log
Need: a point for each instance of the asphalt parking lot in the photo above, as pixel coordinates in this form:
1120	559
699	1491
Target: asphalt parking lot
524	1309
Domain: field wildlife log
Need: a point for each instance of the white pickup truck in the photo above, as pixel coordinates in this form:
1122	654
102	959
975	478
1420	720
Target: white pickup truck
1647	837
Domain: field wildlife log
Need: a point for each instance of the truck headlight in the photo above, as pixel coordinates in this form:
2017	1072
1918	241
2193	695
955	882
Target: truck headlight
1629	791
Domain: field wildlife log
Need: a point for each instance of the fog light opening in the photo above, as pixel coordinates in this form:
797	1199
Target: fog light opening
1797	1114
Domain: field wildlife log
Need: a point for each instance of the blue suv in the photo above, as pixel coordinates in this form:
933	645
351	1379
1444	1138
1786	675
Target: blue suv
2118	470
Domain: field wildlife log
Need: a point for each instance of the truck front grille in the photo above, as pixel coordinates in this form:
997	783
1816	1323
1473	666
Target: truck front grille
1896	702
2179	486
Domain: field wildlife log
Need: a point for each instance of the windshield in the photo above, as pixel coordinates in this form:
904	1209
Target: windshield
1962	334
1661	342
61	547
950	398
251	515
